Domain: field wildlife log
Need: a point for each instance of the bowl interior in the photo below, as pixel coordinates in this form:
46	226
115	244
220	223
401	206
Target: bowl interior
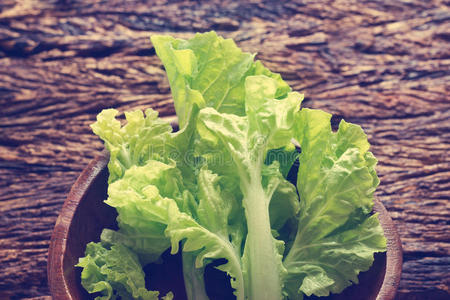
84	215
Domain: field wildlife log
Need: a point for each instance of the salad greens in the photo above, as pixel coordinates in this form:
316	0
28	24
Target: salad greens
217	189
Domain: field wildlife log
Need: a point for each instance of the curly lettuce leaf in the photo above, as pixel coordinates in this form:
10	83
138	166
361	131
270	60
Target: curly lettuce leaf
114	272
247	139
207	237
143	187
156	211
336	236
141	139
209	71
142	207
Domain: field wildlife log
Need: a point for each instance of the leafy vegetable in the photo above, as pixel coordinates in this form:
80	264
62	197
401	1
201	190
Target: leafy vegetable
246	140
336	236
210	71
114	272
218	189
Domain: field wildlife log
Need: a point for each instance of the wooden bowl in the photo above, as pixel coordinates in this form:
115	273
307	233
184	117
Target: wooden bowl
84	215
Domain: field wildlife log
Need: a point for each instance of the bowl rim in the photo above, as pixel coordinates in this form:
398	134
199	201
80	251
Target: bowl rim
59	288
394	253
55	274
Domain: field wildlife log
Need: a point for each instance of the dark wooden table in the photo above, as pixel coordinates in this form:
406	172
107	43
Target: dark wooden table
382	64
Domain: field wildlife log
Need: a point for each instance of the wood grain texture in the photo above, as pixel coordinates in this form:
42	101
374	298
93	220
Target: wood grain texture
382	64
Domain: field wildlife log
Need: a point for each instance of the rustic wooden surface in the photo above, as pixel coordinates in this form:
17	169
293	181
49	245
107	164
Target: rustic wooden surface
382	64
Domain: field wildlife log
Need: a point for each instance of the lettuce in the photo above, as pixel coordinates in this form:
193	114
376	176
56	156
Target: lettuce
219	188
336	235
114	272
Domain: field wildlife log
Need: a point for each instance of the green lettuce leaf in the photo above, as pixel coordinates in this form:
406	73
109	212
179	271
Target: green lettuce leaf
208	236
142	210
145	186
247	139
336	236
142	138
156	211
114	272
209	71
